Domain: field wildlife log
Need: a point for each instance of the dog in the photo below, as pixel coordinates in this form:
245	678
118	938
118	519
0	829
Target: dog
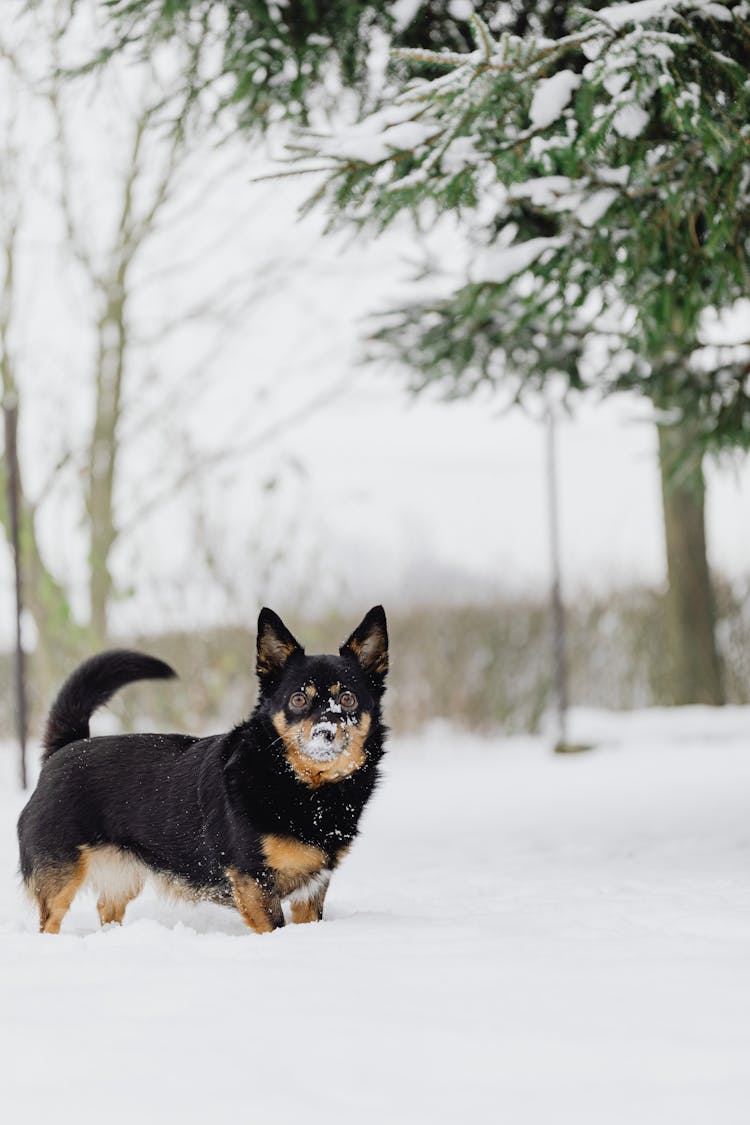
262	814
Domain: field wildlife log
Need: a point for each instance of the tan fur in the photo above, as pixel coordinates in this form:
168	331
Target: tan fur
116	877
352	739
260	909
286	854
54	889
309	911
111	910
307	901
292	862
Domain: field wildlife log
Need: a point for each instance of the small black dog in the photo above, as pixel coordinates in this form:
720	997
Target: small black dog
248	818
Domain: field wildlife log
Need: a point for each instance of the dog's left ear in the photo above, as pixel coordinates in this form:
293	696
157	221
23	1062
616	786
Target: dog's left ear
275	646
368	644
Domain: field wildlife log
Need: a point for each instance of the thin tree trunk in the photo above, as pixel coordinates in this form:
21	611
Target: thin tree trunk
61	639
103	458
694	665
46	599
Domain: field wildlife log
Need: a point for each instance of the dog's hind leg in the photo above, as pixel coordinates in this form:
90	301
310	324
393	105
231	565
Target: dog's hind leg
259	905
54	889
118	878
111	911
112	908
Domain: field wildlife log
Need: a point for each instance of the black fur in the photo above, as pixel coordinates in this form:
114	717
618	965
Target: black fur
192	809
91	686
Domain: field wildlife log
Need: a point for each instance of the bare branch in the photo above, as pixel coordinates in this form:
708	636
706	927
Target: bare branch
230	454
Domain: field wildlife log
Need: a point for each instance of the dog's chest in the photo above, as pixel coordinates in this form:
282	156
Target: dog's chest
326	818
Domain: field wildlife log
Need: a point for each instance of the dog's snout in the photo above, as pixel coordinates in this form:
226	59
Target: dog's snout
324	732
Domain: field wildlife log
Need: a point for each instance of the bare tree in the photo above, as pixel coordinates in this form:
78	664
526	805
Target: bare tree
46	597
112	266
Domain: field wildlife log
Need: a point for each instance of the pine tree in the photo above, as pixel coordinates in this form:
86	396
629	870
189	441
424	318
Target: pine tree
603	176
270	60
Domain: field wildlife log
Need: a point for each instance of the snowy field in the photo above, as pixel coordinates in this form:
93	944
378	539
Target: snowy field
516	937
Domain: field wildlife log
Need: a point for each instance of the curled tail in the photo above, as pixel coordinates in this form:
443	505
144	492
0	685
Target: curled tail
90	686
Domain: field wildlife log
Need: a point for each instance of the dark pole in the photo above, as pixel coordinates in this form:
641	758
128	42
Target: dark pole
10	409
558	613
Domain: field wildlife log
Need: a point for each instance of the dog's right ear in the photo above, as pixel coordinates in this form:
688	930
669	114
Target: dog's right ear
275	646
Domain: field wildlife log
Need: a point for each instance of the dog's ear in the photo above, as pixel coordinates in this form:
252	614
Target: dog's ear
368	644
275	646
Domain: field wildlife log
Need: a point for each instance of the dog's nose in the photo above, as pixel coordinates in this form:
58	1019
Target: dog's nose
324	733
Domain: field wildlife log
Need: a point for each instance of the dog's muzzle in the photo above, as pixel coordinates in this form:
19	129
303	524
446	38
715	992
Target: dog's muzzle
323	745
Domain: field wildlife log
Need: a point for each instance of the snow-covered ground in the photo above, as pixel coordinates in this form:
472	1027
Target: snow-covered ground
517	936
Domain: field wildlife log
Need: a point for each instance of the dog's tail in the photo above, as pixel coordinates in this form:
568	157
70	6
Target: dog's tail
90	686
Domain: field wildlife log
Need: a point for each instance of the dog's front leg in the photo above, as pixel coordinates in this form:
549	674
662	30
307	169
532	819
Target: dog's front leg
257	900
307	901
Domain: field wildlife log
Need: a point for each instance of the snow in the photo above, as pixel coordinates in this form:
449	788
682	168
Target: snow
595	206
462	152
319	746
717	12
727	327
561	194
551	96
546	191
461	9
380	135
618	15
403	12
498	264
619	175
516	936
629	121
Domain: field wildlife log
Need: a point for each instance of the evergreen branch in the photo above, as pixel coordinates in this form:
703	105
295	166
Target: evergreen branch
432	58
266	177
482	35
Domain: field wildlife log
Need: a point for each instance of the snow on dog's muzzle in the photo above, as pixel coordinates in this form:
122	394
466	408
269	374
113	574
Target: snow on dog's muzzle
323	744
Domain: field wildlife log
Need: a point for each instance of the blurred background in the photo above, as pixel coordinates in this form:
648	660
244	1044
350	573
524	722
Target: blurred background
198	436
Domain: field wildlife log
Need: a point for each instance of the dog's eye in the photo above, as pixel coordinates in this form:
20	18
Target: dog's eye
298	701
348	700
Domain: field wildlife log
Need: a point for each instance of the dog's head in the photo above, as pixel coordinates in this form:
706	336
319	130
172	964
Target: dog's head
322	707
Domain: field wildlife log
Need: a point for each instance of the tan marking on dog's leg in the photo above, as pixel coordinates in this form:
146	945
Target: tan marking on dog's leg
307	901
306	911
113	910
55	890
110	911
260	908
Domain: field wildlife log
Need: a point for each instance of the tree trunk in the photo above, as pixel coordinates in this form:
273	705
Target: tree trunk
60	638
694	665
103	455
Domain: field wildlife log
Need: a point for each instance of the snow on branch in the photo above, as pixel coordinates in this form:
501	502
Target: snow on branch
497	265
613	160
